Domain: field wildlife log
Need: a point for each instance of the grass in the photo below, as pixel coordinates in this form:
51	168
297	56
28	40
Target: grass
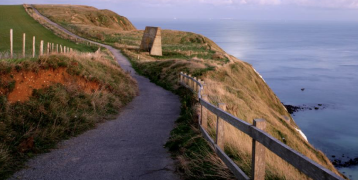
197	160
58	111
228	80
247	97
15	17
176	44
87	21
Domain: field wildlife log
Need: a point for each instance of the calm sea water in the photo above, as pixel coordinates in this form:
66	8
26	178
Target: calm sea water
321	57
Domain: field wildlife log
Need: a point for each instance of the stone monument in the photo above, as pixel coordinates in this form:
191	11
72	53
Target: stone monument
152	41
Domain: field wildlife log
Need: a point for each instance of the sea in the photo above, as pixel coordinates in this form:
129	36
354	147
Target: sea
305	63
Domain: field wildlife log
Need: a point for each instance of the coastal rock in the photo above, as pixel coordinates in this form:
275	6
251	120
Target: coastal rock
292	109
349	163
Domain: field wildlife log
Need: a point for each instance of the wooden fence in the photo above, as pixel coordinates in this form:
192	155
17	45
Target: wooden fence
51	47
261	140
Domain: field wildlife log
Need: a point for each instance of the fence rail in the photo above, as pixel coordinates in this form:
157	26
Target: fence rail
261	139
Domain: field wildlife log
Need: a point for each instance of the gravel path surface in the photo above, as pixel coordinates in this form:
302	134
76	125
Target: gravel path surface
130	147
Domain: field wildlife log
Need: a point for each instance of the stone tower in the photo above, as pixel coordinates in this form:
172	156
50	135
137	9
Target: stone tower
152	41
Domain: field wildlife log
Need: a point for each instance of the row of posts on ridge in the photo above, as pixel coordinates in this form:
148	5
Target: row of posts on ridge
51	47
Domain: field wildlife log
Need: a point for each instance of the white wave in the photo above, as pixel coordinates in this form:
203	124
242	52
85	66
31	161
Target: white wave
302	134
259	74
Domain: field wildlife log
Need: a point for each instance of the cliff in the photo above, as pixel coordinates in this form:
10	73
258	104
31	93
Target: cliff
229	80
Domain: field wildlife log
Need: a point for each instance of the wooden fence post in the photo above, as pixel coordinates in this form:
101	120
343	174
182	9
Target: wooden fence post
33	47
195	87
181	77
41	47
23	44
220	132
11	45
203	91
201	82
258	154
190	82
56	48
53	48
64	49
204	113
61	50
185	79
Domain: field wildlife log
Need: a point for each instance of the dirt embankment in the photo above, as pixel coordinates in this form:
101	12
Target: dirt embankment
26	81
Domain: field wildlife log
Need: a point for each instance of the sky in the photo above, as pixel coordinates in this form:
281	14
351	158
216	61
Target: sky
321	10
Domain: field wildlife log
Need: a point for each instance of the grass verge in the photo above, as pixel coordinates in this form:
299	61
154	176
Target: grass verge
197	159
63	108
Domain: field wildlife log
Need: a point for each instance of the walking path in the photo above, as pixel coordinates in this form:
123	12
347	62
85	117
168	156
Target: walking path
130	147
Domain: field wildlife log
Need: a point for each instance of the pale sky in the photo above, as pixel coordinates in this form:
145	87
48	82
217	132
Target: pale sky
327	10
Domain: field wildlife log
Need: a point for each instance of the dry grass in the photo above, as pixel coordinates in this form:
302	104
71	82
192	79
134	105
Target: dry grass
60	110
55	30
86	15
247	97
229	81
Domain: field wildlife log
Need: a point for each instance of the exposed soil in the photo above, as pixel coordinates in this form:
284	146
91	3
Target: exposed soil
26	82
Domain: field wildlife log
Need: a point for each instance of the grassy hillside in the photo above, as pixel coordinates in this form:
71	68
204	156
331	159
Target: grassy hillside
47	99
86	21
16	18
229	81
44	100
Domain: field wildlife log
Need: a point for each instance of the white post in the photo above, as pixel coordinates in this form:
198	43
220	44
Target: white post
33	46
23	44
11	45
41	47
48	48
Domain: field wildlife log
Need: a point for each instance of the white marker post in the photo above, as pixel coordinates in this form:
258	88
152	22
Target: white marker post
23	44
11	45
41	48
33	46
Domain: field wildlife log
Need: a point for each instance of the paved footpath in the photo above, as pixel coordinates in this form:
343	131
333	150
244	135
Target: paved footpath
130	147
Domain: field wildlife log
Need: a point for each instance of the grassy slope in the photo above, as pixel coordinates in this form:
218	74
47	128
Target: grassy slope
15	17
228	80
60	110
85	20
